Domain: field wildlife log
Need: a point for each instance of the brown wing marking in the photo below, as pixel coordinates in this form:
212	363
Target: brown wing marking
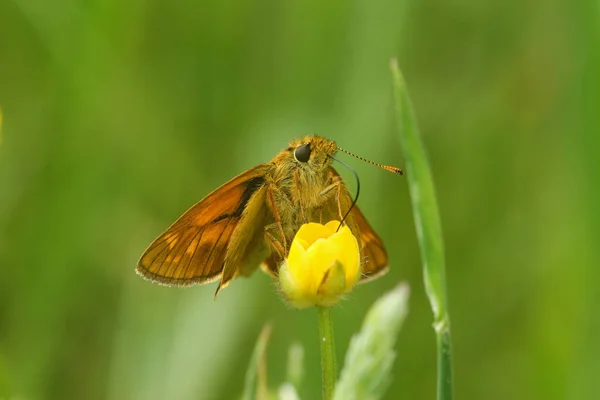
193	249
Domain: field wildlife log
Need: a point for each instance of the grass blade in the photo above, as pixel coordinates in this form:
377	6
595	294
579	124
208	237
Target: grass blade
428	227
255	385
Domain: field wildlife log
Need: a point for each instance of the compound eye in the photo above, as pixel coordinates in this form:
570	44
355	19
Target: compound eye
302	152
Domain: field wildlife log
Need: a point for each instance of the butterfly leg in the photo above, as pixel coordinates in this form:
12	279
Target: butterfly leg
276	244
338	187
336	182
339	197
273	206
299	189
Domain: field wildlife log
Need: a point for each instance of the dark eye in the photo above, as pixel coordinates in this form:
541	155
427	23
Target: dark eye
302	153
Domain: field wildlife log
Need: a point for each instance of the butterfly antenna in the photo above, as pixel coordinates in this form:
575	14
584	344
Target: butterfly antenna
386	167
357	190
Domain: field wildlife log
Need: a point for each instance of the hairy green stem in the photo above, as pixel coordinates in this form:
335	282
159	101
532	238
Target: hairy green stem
428	227
328	362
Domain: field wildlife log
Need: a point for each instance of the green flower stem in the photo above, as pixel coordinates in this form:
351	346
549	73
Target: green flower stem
328	362
429	231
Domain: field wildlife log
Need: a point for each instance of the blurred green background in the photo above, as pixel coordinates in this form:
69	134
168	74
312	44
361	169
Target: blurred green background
118	115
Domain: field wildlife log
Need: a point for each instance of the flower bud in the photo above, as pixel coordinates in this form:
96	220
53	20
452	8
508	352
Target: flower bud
322	265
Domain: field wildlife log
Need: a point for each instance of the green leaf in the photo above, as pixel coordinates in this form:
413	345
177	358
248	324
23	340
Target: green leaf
295	365
295	372
368	364
428	227
255	385
287	391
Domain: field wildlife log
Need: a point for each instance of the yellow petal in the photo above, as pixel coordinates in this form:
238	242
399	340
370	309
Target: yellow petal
348	254
311	232
332	227
321	256
292	289
295	277
303	243
299	262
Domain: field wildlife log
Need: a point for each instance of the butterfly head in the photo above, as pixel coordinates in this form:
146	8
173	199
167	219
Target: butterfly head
312	153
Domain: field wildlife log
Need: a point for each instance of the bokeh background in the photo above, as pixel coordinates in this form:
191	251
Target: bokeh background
118	115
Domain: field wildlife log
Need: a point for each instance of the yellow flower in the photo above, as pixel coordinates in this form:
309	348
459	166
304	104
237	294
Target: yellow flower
322	265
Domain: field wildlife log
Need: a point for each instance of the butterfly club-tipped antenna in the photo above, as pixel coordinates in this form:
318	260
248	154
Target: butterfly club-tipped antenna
395	170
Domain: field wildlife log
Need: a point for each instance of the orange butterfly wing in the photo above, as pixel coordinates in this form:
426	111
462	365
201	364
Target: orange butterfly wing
193	249
374	256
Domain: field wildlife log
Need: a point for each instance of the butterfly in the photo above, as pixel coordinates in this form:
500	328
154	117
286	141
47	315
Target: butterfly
251	220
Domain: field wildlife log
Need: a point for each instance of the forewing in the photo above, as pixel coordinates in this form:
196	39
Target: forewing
374	256
193	249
